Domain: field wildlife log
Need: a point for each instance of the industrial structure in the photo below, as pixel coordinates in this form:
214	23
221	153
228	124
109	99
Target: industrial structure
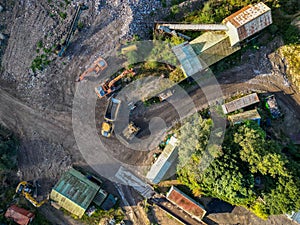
247	21
164	162
248	115
75	193
220	40
19	215
240	103
213	46
186	203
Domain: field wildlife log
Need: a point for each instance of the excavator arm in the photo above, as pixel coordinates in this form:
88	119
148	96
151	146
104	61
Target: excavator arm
26	189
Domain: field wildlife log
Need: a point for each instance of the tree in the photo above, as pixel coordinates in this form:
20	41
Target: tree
246	154
177	75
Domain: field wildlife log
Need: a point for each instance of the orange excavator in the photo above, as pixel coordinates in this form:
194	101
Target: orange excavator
109	87
99	65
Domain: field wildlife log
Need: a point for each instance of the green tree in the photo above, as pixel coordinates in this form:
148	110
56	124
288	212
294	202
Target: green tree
177	75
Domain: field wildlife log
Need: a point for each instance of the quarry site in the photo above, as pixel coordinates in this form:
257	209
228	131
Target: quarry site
38	88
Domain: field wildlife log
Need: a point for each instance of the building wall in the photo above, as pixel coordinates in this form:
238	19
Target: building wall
67	204
232	33
254	26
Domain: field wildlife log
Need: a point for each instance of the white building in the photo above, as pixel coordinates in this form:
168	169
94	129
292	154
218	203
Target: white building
247	21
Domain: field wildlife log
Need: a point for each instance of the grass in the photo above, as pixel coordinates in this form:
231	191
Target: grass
62	15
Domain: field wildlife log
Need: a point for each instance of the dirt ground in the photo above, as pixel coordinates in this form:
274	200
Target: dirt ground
38	107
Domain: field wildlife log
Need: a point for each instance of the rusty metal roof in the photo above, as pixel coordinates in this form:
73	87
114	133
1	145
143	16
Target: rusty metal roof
19	215
186	203
247	14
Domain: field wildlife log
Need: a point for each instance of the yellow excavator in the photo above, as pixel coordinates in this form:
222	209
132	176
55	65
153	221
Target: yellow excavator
27	190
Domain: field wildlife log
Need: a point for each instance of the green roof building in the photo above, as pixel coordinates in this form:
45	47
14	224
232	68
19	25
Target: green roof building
74	192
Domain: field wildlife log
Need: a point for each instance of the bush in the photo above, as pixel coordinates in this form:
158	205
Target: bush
63	15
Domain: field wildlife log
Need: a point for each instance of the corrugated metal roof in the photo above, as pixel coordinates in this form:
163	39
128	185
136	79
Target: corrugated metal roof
248	115
164	162
247	14
186	203
19	215
188	59
77	188
213	46
240	103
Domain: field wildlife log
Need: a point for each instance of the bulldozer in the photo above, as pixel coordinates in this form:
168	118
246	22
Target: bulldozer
130	131
99	65
108	87
27	190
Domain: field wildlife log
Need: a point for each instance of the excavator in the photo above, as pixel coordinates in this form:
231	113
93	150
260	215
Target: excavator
27	190
99	65
108	87
63	47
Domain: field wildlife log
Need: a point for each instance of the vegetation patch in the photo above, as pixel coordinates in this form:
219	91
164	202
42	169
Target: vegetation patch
248	170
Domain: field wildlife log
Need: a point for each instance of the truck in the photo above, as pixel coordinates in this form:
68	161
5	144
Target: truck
130	131
163	96
271	105
110	116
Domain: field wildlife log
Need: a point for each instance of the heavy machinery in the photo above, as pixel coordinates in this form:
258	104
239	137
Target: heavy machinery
99	65
110	116
61	48
108	87
130	131
27	190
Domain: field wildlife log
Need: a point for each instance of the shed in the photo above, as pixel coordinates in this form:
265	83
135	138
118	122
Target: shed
248	115
186	203
163	163
19	215
240	103
247	21
74	192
